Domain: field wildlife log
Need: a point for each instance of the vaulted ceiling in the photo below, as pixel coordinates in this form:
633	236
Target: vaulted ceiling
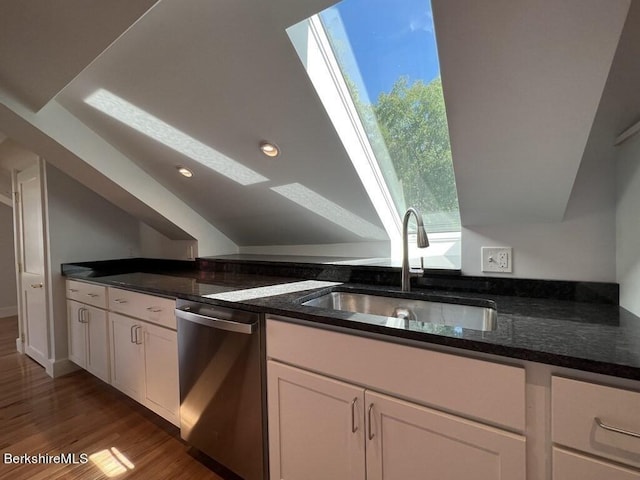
523	82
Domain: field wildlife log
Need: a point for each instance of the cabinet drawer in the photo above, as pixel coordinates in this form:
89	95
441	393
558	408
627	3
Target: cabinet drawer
575	407
570	465
482	390
146	307
88	293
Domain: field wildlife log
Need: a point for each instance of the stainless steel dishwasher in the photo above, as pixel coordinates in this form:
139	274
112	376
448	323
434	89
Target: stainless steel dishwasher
222	401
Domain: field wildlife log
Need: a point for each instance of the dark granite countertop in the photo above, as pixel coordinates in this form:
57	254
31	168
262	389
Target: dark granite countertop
594	336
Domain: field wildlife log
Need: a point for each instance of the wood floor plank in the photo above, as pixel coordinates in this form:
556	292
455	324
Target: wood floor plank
79	413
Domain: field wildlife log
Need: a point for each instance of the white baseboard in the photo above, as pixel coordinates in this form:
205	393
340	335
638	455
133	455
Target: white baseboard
58	368
8	311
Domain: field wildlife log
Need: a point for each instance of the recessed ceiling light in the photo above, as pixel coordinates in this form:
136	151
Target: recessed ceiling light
185	172
171	137
269	149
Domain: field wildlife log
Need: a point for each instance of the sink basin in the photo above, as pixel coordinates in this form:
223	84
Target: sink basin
475	317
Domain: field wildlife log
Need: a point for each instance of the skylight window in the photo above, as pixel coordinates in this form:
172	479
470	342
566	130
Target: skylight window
375	67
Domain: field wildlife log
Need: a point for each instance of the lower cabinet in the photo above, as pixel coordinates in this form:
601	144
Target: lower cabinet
88	344
145	364
601	432
324	428
316	426
569	465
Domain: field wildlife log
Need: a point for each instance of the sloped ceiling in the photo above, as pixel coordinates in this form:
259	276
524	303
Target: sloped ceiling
522	83
45	44
227	75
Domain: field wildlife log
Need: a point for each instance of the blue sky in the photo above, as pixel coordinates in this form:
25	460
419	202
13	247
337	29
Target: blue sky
389	38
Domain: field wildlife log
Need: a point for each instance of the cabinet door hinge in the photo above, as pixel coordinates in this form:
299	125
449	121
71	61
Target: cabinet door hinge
19	267
22	337
16	197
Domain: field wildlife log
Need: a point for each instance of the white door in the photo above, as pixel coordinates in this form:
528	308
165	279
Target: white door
316	426
410	442
77	333
127	373
162	390
35	327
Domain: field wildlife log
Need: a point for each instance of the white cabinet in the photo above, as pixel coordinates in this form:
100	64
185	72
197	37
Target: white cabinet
87	330
571	466
145	364
316	426
127	367
598	420
136	349
161	386
152	309
411	442
320	428
347	407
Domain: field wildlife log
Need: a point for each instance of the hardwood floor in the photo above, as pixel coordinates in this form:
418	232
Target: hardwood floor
80	414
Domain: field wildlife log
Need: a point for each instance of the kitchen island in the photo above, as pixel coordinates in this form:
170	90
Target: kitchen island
542	396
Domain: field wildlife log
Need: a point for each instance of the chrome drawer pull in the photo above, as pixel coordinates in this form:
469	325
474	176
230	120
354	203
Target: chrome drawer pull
371	434
36	285
154	309
119	300
354	427
610	428
92	295
73	290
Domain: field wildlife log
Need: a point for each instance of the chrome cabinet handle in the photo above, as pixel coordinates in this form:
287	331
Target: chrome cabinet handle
371	434
154	309
80	315
138	328
132	327
36	285
73	290
119	300
611	428
92	295
83	311
354	427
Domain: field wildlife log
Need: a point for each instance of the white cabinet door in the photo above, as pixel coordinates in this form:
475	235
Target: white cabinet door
127	367
162	391
316	426
569	466
409	442
97	342
77	333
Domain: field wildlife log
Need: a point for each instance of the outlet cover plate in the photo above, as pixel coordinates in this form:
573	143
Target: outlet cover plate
497	259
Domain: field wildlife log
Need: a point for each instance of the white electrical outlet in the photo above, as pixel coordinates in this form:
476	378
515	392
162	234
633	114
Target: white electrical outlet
497	259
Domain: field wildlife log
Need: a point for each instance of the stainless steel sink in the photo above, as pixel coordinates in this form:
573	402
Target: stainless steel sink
475	317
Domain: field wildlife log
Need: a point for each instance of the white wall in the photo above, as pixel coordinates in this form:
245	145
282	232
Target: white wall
153	244
82	227
8	292
581	247
628	224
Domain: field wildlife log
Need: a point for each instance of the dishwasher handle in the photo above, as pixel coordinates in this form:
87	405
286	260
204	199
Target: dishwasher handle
217	323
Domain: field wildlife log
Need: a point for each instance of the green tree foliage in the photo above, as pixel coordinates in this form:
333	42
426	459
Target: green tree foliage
413	124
